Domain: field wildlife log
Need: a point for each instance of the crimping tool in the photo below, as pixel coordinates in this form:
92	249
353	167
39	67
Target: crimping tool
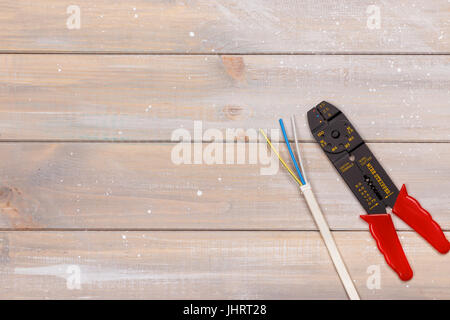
373	187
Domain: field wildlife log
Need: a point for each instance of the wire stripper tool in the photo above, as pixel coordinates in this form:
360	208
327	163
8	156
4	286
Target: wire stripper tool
373	187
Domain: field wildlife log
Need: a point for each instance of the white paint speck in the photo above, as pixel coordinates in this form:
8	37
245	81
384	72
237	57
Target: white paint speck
199	193
191	34
149	211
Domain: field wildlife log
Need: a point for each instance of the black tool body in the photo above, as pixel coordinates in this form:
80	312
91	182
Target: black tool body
352	158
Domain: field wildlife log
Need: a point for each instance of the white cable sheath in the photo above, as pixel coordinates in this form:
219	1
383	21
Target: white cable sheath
329	242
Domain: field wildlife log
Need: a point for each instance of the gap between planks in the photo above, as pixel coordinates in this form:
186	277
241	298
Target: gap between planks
184	230
209	141
281	53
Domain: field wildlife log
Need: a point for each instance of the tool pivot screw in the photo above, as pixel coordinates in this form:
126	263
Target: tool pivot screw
335	134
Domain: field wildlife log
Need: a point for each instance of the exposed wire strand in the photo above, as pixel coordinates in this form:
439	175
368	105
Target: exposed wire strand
279	157
299	156
290	152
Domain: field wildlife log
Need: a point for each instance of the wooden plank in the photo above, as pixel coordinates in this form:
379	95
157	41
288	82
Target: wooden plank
206	26
122	98
129	186
207	265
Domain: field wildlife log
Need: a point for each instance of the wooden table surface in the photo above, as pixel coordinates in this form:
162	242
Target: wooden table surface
92	204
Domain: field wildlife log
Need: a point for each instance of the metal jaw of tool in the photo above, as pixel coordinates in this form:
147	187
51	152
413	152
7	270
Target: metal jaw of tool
373	187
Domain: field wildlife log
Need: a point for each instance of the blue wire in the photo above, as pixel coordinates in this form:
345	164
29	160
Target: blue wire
290	152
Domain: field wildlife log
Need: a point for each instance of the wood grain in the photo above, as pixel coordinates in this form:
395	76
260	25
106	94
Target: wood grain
221	26
87	116
129	186
207	265
123	98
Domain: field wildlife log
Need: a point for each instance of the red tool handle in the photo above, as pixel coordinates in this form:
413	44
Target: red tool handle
410	211
383	231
